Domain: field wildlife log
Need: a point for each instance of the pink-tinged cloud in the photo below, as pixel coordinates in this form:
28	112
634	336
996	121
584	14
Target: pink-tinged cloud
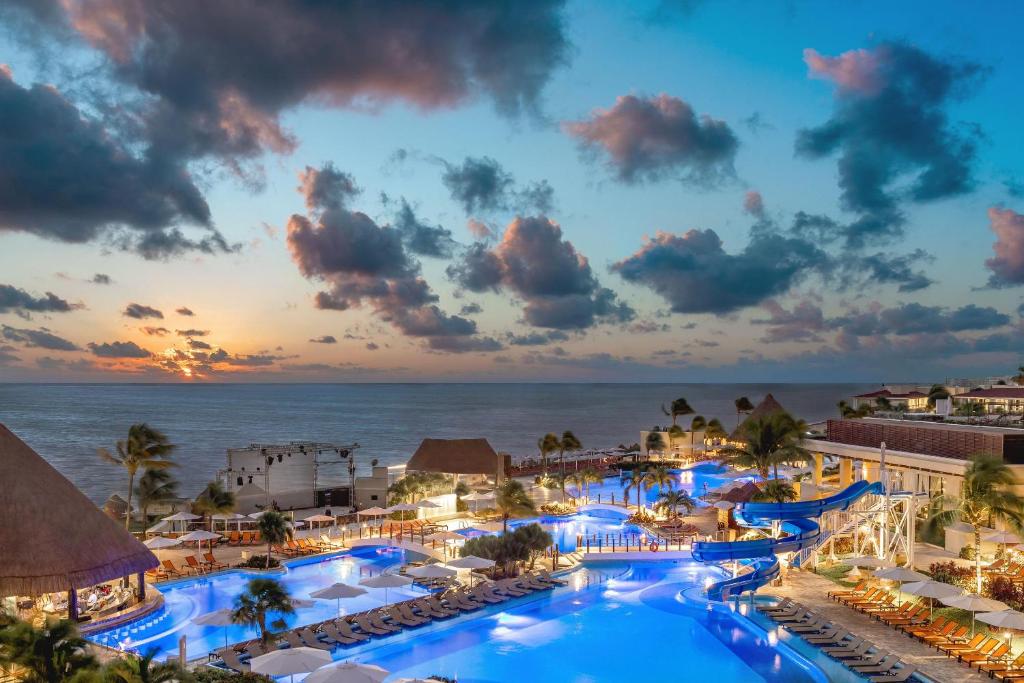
1007	265
753	203
853	71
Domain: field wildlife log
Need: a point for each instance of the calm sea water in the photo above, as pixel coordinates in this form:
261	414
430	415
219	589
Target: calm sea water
66	423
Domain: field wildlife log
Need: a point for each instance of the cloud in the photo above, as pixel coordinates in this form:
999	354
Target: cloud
890	129
101	279
371	346
118	349
199	344
915	318
694	274
545	270
8	355
362	262
41	338
324	339
192	332
753	204
155	331
65	177
1007	265
471	309
478	184
423	239
885	269
536	338
78	364
653	138
140	312
480	230
801	324
187	312
15	300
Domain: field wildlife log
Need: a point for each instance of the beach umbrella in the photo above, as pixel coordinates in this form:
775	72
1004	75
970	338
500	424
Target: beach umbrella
402	507
725	505
294	660
300	603
372	512
931	589
972	602
160	542
348	672
221	617
338	591
1010	619
900	575
427	504
478	496
432	571
386	581
319	519
200	535
868	562
471	562
1001	537
445	535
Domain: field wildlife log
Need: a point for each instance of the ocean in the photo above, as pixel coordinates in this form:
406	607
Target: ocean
66	423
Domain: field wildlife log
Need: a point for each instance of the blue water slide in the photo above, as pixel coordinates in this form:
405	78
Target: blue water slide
799	528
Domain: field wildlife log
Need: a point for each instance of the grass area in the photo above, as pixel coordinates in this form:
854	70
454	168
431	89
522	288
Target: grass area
837	573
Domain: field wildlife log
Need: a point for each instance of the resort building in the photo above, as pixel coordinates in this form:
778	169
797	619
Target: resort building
55	542
994	400
908	400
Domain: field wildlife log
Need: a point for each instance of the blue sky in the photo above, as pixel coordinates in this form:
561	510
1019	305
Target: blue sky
741	64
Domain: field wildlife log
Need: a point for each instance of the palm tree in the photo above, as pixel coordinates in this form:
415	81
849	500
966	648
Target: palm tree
673	500
654	442
547	444
1019	377
591	476
145	448
511	499
144	670
636	480
260	597
845	410
536	540
883	403
274	528
50	654
986	497
936	392
679	407
660	477
674	432
776	491
743	405
715	431
570	443
214	500
768	441
696	424
155	486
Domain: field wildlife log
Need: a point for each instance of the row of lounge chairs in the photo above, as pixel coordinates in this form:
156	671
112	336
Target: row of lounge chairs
383	622
244	538
860	656
988	654
1004	568
192	567
302	546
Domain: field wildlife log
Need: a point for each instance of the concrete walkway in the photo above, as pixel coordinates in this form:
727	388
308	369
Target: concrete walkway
812	591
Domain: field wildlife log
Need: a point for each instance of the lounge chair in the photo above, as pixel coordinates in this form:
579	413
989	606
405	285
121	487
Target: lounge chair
873	659
195	565
817	627
928	628
895	675
545	575
406	608
212	562
255	649
246	538
852	644
982	650
866	595
996	654
438	605
532	581
779	607
801	616
344	628
506	587
311	639
951	632
412	620
858	589
363	622
231	659
830	639
853	653
435	612
328	543
480	595
234	538
379	617
1003	666
333	635
952	648
171	570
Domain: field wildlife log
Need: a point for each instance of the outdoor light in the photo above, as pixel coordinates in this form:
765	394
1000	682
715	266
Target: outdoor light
708	582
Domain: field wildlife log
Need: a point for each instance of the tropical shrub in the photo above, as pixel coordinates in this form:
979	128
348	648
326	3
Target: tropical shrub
260	562
557	508
209	674
966	552
951	572
1004	590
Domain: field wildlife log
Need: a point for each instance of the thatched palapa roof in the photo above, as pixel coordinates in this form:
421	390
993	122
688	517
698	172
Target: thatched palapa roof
455	456
52	537
766	407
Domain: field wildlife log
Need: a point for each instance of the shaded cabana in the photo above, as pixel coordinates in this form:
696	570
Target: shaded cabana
53	538
768	406
457	456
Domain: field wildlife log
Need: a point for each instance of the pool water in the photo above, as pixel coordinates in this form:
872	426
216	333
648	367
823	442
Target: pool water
565	530
695	480
614	622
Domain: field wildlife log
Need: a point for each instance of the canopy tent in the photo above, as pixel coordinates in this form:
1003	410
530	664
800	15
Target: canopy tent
55	538
457	456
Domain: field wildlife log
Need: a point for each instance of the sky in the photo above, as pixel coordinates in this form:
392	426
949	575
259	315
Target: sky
510	190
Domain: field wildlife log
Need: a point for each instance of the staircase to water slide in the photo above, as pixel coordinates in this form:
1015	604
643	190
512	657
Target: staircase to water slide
801	531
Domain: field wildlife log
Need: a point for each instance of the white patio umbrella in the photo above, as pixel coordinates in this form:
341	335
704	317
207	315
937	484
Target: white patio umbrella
372	512
221	617
432	571
294	660
725	505
338	591
972	602
200	535
900	575
300	603
427	504
160	542
403	507
478	496
471	562
867	561
445	535
348	672
319	519
386	581
1009	619
1001	537
932	589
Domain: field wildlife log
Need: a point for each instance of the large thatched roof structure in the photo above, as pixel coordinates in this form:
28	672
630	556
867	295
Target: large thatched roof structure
456	456
766	407
52	537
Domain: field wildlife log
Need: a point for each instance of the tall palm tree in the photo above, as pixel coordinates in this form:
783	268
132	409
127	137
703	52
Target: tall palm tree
274	528
986	497
155	486
144	670
637	481
673	500
654	442
569	443
715	431
678	408
743	405
591	476
260	597
145	448
50	654
936	392
768	441
511	500
882	403
776	491
697	424
660	477
674	432
547	444
214	500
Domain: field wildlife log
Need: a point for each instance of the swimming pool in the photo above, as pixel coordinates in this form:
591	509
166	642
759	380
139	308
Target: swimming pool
695	480
565	530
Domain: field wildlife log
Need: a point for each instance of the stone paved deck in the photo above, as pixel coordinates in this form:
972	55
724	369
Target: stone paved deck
812	590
